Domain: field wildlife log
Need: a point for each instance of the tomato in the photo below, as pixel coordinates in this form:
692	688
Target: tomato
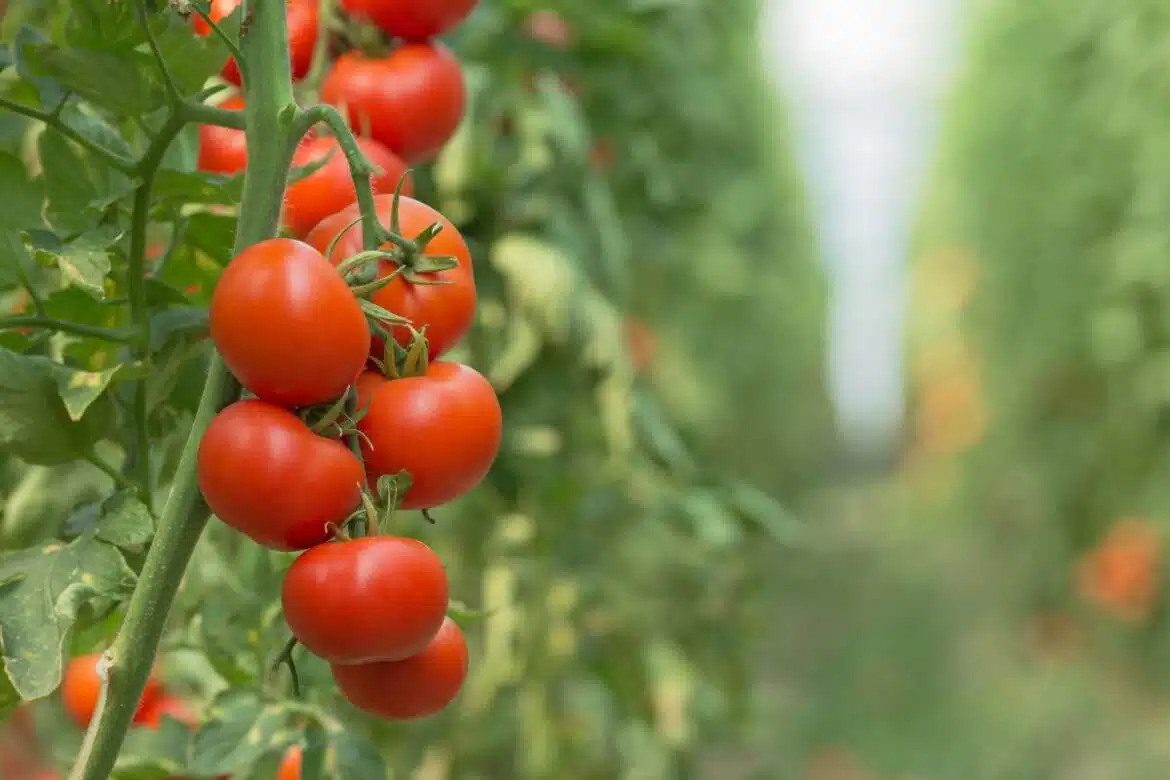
417	687
264	473
81	686
411	100
444	428
287	324
330	188
302	35
170	706
411	19
223	149
376	598
445	310
290	765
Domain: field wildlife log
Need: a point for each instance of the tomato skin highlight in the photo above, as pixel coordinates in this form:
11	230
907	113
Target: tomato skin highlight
444	428
411	100
264	473
411	20
417	687
287	324
223	149
447	310
330	188
379	598
81	687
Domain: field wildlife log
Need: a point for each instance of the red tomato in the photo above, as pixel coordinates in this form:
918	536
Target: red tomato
376	598
222	149
445	310
302	35
264	473
411	100
417	687
411	19
444	428
170	706
330	188
290	766
80	689
287	324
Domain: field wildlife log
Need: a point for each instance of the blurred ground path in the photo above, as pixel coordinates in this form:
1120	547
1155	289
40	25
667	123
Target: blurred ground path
863	78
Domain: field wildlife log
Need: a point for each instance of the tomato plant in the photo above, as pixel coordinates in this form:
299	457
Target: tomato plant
251	462
443	428
330	189
287	325
416	687
411	100
442	302
372	599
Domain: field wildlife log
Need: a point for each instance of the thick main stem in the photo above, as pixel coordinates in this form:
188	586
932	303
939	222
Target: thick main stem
269	123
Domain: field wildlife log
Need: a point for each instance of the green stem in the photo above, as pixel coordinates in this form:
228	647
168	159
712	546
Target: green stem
211	115
174	94
115	160
360	168
117	336
270	117
120	481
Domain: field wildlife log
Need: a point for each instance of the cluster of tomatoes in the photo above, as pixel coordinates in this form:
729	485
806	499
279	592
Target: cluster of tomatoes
351	413
402	91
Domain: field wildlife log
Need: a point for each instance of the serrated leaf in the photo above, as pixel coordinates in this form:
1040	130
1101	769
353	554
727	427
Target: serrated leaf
85	262
34	422
38	611
212	234
197	188
123	82
80	389
103	24
23	195
124	521
240	731
68	187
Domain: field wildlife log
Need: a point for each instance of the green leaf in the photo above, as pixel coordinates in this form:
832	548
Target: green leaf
23	195
315	752
49	90
103	24
180	189
193	60
713	522
155	752
34	422
212	234
124	521
9	698
91	125
85	262
354	757
68	187
189	323
13	258
759	508
79	389
240	731
122	83
50	585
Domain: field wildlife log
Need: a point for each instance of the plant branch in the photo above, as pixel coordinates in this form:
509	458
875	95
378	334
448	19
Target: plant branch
174	94
119	480
115	160
127	664
204	114
360	167
115	335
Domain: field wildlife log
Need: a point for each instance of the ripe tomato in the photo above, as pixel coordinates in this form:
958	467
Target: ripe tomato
222	149
445	310
411	100
302	35
376	598
330	188
290	765
80	689
170	706
417	687
287	324
411	19
264	473
444	428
